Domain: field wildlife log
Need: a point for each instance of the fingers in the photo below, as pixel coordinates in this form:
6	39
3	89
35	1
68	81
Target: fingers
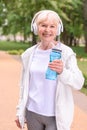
57	61
18	123
56	65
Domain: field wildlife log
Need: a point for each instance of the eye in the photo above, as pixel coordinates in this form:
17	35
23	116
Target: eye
43	25
52	26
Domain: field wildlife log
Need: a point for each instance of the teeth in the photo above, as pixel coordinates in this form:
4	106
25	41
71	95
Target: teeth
46	34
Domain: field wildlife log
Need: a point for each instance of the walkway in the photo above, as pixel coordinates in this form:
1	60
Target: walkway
10	69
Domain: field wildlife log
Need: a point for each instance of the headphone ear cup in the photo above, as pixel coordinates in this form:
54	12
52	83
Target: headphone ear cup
59	30
35	30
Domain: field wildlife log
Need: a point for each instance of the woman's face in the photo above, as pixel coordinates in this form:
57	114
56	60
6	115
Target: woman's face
47	30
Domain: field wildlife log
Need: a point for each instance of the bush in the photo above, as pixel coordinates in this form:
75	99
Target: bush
16	52
85	83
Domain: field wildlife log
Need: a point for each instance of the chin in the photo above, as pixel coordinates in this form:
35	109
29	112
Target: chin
47	40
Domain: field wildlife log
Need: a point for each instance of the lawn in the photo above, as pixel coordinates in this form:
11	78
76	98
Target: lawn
83	66
80	52
15	48
82	63
6	45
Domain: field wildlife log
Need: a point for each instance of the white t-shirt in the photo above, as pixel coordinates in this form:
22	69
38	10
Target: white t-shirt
41	90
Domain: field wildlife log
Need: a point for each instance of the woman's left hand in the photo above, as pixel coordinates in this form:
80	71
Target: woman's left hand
56	65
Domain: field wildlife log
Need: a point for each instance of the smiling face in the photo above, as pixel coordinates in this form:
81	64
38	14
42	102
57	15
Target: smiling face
47	30
47	26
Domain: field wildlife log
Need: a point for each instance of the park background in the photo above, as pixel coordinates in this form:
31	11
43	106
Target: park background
15	27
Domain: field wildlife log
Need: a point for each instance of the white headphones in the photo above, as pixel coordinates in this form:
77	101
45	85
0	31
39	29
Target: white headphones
34	28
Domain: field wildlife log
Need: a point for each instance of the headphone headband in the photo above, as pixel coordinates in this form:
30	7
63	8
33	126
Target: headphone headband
33	20
34	25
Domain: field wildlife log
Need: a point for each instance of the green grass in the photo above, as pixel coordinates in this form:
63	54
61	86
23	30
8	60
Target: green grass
80	52
6	45
14	48
84	90
82	65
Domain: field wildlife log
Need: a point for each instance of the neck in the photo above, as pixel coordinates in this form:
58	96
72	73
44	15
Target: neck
45	46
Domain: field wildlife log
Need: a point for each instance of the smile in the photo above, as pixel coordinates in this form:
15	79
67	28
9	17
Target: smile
47	35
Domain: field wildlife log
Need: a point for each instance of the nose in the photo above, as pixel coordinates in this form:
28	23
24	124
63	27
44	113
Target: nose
47	29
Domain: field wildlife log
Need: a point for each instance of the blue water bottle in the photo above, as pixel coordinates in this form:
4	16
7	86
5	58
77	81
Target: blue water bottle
55	54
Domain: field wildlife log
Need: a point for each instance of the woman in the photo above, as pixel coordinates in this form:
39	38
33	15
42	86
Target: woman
47	104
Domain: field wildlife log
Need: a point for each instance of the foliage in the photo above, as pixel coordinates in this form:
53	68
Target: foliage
85	83
75	17
16	52
85	22
19	13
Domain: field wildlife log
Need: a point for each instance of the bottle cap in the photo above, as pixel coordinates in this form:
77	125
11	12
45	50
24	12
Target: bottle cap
56	49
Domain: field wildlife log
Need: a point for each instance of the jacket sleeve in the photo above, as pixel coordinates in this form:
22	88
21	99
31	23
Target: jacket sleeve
25	58
71	75
21	90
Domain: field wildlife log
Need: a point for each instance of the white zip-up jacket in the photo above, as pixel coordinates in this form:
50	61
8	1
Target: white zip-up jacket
70	78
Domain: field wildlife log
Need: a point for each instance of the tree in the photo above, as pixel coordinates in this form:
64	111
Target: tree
85	22
73	25
20	12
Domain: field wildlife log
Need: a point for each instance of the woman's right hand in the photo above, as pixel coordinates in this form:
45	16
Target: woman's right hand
17	122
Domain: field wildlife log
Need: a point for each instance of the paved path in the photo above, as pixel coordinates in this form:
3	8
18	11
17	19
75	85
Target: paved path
9	76
10	69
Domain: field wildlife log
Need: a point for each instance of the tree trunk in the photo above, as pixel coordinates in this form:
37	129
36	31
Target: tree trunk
71	39
85	22
65	38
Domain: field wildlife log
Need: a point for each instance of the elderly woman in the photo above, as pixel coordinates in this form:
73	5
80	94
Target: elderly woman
47	104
